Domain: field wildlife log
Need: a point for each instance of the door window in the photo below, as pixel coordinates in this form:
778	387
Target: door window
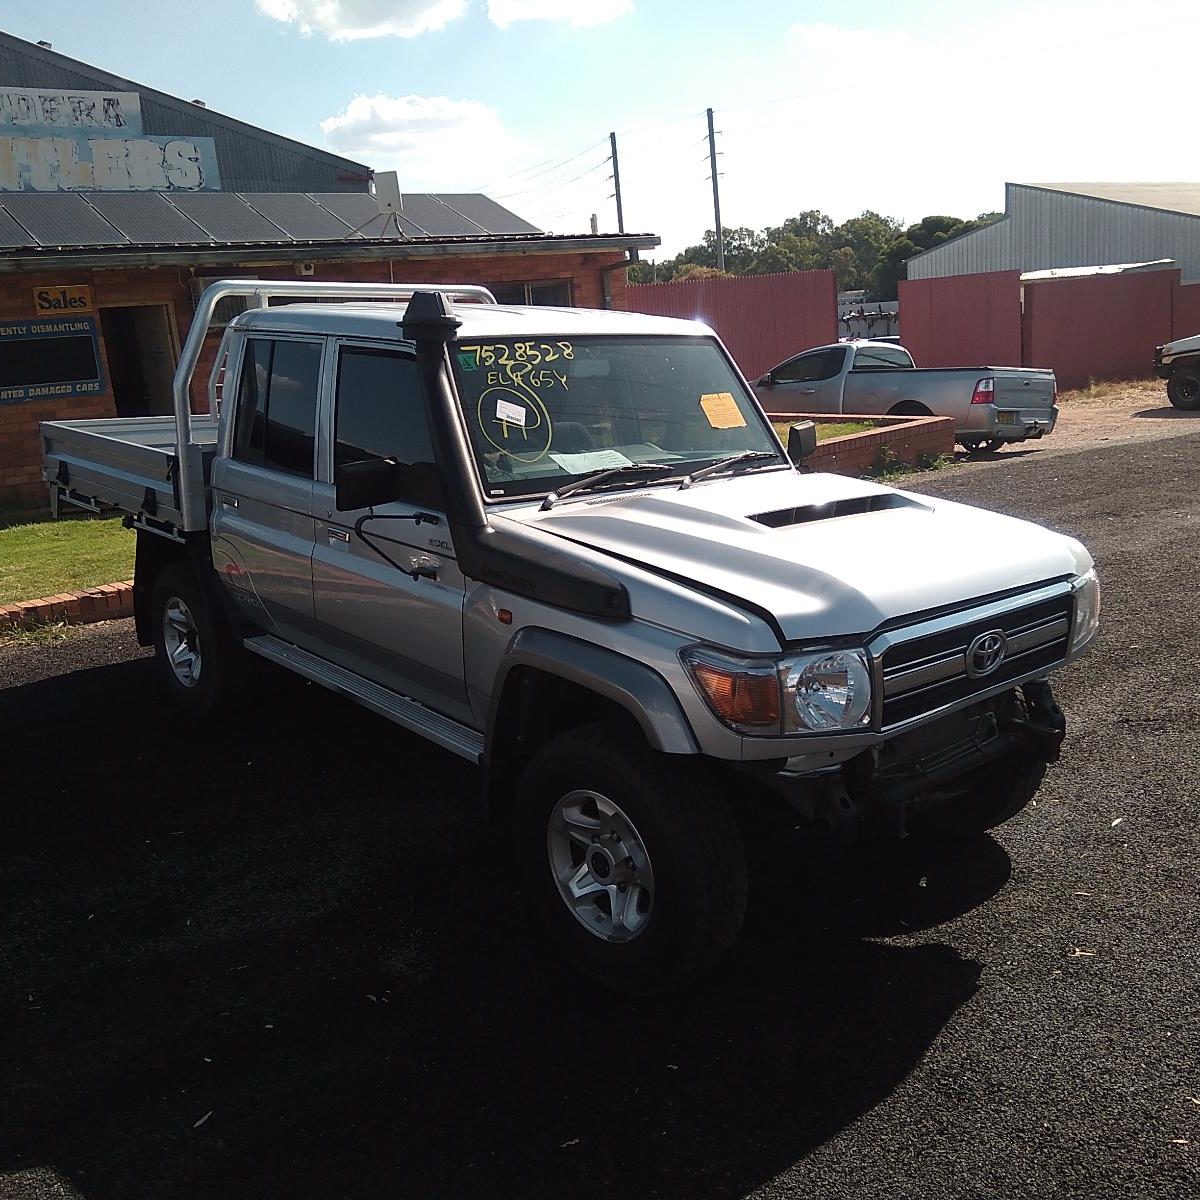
380	413
277	405
811	368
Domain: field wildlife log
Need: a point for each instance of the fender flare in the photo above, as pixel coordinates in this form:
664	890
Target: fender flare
632	685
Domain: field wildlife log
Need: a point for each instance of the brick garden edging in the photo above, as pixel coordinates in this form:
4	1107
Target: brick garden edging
104	603
903	439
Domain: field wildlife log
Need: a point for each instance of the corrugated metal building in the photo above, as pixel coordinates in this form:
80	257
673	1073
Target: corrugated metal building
118	203
1049	225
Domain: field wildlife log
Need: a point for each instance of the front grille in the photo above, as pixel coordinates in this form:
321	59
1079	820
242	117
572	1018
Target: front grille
928	672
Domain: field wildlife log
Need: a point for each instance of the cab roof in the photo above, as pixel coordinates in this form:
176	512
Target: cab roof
381	320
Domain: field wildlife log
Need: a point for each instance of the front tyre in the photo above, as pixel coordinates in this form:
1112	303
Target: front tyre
1183	387
632	858
201	665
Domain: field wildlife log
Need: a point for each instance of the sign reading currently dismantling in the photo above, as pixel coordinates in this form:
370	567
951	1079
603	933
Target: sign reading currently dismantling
52	141
49	360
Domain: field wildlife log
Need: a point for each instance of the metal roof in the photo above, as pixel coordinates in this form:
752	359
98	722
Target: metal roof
250	159
171	219
1170	197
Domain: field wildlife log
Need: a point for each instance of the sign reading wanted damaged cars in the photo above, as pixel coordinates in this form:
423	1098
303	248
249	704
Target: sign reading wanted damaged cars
50	359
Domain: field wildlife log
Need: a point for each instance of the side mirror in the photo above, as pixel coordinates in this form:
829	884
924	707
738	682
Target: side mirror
766	381
802	441
367	483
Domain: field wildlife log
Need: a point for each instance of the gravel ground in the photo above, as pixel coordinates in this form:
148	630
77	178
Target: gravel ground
283	957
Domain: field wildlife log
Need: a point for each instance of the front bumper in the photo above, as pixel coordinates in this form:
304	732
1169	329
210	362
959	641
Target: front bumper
877	791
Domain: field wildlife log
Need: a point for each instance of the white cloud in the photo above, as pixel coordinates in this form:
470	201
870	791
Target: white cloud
434	143
349	20
580	13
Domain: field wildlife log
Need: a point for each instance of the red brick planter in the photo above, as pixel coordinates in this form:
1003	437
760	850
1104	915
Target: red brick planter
103	603
905	440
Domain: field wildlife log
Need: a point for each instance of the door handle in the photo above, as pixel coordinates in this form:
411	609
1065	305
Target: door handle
338	535
229	502
808	391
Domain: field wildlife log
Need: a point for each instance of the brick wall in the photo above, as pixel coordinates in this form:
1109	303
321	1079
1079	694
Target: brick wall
20	445
906	440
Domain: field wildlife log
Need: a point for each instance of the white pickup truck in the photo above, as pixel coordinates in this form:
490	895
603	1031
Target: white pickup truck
991	406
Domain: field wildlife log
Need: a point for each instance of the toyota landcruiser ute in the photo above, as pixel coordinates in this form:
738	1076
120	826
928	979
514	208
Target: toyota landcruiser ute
568	546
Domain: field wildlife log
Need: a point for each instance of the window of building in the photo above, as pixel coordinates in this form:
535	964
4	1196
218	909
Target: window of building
381	413
555	292
277	405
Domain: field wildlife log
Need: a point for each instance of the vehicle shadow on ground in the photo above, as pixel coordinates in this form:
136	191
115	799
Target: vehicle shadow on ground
1169	413
287	957
964	456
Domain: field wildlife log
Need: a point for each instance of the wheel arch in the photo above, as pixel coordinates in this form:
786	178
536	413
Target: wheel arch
550	682
909	408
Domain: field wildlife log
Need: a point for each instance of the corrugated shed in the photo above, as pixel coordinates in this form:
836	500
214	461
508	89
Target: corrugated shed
1046	228
250	159
762	319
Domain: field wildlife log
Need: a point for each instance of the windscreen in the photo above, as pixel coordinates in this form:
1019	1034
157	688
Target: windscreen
542	412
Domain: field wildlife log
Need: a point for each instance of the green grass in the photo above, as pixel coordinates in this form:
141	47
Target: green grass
826	431
41	557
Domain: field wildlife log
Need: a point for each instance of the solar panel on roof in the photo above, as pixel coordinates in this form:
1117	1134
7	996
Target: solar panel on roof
12	233
147	218
495	218
227	217
431	214
297	214
62	219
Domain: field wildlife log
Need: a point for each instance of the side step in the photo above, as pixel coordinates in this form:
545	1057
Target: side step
413	716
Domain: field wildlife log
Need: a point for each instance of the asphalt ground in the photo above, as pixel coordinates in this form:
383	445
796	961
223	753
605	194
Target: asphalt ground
285	957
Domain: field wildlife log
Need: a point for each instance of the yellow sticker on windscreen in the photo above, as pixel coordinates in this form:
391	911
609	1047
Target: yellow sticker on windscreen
722	411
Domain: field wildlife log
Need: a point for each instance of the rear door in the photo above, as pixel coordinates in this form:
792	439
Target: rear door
262	520
388	600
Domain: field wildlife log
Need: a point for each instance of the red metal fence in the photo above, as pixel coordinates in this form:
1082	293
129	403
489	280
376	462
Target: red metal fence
963	320
1085	328
762	319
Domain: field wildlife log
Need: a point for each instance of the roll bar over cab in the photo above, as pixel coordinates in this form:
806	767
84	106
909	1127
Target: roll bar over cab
568	546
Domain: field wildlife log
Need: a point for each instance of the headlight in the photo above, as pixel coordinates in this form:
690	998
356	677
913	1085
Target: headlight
827	691
1087	609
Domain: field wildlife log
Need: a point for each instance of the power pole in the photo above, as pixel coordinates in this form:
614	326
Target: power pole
616	178
712	164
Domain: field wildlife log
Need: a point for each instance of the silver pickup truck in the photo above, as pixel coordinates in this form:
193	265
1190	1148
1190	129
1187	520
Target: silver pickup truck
991	406
569	547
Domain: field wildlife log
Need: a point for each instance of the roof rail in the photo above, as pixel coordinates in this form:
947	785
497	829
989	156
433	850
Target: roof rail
260	292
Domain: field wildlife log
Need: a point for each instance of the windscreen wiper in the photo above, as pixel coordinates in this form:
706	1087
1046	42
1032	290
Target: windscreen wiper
724	464
598	477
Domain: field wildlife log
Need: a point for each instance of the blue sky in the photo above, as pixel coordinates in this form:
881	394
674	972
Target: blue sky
906	108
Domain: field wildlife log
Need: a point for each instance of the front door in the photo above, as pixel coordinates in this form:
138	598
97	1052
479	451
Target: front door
263	487
389	599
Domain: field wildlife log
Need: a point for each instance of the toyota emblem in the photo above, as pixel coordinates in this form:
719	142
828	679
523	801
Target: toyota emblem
986	652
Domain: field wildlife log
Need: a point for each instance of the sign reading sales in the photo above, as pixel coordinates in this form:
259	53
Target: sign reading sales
62	298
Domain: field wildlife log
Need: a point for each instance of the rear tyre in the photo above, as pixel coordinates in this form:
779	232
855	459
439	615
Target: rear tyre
632	859
983	445
201	665
1183	388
